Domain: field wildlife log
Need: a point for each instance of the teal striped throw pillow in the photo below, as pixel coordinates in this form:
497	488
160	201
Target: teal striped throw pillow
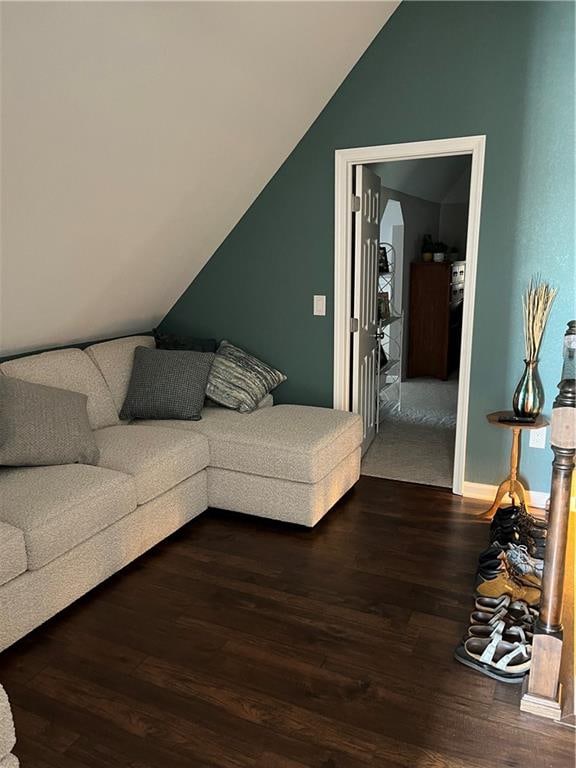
238	380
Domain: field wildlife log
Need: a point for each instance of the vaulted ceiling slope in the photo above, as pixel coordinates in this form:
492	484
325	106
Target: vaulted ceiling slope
438	179
134	137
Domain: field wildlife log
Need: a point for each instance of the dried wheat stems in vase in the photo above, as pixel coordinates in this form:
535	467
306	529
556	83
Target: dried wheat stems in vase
536	304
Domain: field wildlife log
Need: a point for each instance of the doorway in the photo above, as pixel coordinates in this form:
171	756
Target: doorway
352	334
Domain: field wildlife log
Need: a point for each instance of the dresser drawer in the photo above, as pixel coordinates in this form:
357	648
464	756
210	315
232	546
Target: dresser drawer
458	272
456	293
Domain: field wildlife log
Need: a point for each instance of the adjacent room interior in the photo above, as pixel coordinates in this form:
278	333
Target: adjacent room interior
420	295
287	384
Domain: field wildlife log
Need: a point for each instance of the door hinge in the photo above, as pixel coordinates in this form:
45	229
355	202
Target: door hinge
356	203
353	325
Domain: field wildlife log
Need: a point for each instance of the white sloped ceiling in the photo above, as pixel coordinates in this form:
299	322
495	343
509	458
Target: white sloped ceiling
134	137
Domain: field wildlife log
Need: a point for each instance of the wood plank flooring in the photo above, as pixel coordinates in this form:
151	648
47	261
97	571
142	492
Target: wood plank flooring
240	642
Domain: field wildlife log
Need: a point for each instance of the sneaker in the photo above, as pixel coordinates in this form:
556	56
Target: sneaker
489	569
519	534
523	566
492	552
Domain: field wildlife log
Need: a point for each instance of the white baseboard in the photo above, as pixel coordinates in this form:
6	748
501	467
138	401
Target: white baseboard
482	491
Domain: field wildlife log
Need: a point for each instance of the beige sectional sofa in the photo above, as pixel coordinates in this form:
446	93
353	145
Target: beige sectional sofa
7	735
64	529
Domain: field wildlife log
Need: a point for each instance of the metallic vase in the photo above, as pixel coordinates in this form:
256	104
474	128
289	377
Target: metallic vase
528	398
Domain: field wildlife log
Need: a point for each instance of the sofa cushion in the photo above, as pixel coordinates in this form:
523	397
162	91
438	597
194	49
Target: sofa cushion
7	734
42	425
114	360
291	442
59	507
167	384
156	457
68	369
10	761
12	553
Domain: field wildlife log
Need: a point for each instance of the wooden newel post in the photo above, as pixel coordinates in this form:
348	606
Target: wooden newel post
550	620
543	692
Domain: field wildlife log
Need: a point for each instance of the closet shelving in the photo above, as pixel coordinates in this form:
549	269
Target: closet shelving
389	334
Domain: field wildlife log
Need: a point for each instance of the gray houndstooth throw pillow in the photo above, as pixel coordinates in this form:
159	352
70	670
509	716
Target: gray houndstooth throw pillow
43	426
167	384
239	380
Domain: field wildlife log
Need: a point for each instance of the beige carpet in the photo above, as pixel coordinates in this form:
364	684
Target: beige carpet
416	453
416	444
428	401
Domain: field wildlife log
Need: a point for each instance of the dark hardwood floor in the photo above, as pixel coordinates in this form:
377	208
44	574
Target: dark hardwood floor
242	642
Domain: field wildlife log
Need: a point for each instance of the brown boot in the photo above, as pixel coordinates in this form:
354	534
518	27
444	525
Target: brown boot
503	584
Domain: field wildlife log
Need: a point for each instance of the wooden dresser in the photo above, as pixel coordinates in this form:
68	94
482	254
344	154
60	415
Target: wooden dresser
435	318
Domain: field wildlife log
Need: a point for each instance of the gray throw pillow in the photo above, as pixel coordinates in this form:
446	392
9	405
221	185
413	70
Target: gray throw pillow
42	426
239	380
167	384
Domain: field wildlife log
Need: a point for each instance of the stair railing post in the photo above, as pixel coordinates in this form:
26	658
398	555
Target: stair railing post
543	692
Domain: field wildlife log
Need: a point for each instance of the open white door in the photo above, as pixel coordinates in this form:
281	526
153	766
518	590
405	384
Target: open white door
365	310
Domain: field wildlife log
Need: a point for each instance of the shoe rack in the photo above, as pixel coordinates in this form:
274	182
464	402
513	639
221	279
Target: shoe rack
499	639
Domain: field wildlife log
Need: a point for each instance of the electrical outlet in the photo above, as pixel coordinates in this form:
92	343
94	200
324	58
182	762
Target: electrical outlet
538	438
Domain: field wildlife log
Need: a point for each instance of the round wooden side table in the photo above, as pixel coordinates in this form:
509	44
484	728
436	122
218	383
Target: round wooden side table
511	485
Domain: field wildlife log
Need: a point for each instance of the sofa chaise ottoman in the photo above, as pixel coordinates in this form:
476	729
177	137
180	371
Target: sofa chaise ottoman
289	462
65	529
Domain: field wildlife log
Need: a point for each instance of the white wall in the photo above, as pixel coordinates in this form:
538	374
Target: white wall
135	135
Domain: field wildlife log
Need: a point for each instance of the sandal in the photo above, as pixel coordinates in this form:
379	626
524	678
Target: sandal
509	632
521	613
492	604
483	617
517	614
496	658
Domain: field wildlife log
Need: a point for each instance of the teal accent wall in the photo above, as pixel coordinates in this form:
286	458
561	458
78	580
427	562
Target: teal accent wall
436	70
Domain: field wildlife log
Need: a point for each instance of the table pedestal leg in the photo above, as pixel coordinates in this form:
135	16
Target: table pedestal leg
511	485
503	489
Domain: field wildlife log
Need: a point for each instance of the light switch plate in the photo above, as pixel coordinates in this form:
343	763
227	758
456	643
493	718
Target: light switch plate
538	438
320	305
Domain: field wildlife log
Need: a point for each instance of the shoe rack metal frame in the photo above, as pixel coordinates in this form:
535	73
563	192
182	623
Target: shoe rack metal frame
390	334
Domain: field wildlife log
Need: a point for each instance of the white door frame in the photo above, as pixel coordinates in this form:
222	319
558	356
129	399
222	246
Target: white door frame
345	159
